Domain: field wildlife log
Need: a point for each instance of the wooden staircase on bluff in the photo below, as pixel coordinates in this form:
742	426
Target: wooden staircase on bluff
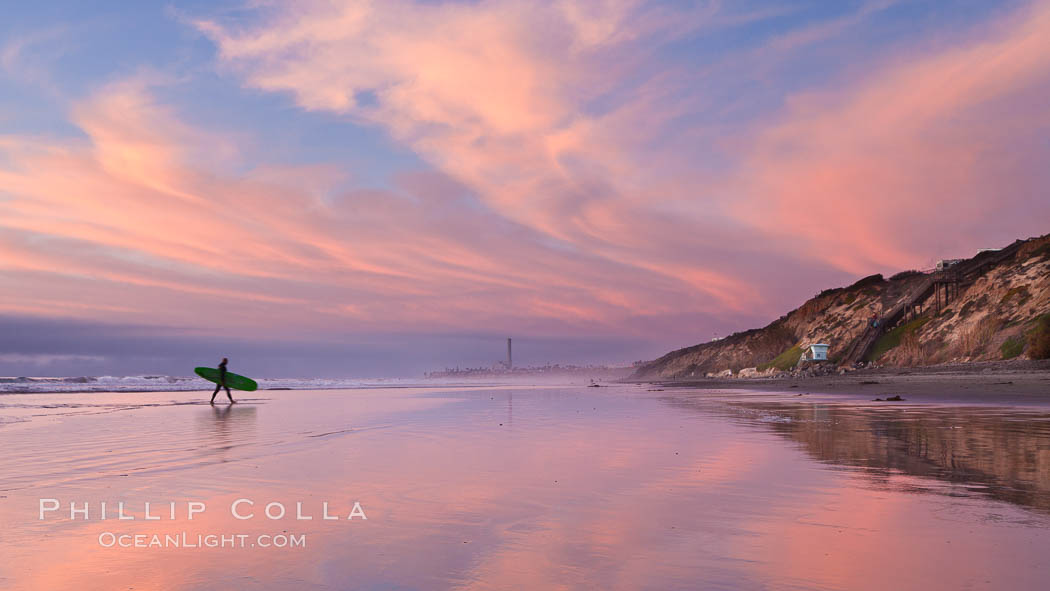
861	346
962	273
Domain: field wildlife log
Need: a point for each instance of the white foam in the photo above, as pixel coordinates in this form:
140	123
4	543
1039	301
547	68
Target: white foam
161	383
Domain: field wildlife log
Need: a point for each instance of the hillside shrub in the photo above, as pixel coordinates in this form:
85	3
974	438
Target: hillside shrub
868	281
973	305
1039	338
1012	347
975	339
912	351
1020	292
892	339
1041	251
785	360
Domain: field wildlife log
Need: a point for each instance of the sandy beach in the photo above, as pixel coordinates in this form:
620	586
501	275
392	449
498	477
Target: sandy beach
1023	383
528	487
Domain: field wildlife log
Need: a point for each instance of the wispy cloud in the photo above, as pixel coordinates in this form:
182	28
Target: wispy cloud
138	227
28	57
496	95
580	176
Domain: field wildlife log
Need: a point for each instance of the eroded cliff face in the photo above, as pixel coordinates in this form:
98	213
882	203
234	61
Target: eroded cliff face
989	319
835	317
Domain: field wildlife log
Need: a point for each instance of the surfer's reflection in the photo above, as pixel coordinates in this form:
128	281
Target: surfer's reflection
221	413
226	428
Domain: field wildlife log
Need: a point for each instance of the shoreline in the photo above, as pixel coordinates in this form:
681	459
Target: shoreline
1014	383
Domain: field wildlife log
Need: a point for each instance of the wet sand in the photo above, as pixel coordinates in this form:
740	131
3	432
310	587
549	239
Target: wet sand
528	488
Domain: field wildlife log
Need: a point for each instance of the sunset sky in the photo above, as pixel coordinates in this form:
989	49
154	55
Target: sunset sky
383	188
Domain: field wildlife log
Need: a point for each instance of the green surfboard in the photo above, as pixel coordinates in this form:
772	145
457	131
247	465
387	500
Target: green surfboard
233	380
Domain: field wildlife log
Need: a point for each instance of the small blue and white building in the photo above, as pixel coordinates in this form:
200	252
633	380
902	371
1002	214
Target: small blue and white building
817	351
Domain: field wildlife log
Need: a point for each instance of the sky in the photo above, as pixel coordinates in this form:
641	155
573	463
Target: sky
366	189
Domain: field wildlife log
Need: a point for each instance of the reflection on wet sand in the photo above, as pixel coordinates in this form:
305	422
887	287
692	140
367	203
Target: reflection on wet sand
1001	453
526	488
225	426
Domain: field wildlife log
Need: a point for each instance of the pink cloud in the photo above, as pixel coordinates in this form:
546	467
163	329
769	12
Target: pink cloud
485	97
541	212
924	153
139	222
493	96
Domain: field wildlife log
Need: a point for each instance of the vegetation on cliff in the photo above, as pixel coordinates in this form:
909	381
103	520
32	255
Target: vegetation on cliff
1039	338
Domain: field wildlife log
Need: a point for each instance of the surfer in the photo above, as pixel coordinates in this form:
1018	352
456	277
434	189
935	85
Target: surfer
222	383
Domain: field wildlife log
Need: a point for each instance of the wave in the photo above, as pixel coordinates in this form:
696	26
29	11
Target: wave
163	383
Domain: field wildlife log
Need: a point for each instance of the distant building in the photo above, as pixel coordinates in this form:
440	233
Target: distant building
945	263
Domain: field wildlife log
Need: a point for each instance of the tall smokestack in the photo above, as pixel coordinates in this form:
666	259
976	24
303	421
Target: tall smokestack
510	360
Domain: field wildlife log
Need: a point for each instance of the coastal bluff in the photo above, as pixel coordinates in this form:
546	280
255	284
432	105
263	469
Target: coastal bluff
994	306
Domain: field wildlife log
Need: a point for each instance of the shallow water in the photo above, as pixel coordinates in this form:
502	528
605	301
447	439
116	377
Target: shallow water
164	383
529	488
